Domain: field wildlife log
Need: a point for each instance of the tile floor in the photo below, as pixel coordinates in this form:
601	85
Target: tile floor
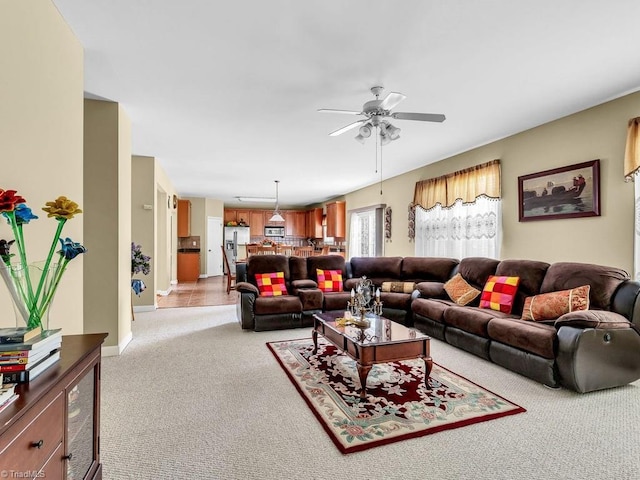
204	292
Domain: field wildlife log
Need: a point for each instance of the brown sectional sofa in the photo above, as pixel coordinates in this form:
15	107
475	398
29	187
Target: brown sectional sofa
583	351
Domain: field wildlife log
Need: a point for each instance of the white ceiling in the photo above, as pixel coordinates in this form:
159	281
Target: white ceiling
224	94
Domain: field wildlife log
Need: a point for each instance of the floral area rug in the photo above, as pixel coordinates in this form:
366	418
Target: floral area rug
398	405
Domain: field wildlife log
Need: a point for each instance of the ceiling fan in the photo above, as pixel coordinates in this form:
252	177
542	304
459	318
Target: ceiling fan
376	111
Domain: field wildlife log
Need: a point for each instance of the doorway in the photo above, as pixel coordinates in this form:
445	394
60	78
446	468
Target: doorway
214	246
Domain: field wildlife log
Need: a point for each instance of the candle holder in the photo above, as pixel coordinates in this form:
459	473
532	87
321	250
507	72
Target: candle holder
364	299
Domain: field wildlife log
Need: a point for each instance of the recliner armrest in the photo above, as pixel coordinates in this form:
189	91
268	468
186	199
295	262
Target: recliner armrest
431	290
593	319
246	287
303	284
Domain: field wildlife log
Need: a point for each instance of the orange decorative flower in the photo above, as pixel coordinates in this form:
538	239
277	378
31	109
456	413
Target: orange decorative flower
62	207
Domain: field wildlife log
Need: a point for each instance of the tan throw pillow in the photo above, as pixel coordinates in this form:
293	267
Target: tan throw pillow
460	291
398	287
549	306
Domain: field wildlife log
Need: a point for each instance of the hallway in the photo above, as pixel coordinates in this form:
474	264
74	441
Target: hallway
204	292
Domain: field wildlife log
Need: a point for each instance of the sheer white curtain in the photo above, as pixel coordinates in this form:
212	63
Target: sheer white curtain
636	246
632	173
461	230
362	234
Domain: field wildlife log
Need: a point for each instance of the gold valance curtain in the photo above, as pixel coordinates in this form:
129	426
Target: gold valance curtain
632	151
467	185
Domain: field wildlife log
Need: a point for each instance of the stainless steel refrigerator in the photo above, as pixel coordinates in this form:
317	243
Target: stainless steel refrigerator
235	244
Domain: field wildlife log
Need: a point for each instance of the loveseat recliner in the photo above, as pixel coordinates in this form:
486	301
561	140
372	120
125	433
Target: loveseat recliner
582	350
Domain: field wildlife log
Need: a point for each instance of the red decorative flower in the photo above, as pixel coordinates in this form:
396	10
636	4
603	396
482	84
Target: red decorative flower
9	200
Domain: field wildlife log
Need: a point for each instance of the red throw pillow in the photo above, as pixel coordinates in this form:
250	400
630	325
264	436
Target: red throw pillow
271	284
329	280
499	293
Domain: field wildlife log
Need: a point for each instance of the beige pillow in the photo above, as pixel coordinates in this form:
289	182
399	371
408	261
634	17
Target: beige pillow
398	287
460	291
549	306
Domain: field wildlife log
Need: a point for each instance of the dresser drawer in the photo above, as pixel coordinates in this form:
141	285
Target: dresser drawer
31	441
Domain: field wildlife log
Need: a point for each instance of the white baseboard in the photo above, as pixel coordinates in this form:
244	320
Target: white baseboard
144	308
203	275
115	350
164	293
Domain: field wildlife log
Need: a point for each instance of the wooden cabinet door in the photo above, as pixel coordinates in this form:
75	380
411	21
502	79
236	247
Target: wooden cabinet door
314	223
188	267
230	215
289	223
336	216
256	223
184	218
300	224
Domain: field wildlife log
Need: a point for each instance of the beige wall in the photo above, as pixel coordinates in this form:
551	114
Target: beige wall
598	132
107	229
41	98
166	244
143	221
201	209
123	199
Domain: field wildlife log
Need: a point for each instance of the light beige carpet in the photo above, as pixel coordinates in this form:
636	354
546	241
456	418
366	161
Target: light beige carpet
193	396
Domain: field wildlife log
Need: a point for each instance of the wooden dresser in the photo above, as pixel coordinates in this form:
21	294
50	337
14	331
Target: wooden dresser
53	430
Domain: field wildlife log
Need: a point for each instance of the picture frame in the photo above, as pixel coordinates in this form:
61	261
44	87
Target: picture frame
572	191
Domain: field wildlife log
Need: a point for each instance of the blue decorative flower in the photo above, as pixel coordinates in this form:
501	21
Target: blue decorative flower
24	214
70	249
138	286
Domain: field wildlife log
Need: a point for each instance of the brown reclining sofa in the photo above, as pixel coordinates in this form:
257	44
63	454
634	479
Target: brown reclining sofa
582	350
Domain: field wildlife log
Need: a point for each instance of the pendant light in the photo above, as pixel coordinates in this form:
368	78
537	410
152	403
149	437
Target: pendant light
276	217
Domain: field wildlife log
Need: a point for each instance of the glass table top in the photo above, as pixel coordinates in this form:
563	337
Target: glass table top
380	330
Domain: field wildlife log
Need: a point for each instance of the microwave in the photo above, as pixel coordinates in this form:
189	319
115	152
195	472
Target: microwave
274	231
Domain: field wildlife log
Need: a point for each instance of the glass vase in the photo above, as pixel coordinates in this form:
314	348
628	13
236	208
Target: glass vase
32	291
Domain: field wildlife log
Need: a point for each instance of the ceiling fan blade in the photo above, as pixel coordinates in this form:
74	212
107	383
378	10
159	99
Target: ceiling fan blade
391	100
422	117
348	127
331	110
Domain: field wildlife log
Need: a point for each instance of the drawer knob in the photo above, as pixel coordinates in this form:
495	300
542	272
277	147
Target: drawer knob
68	457
37	444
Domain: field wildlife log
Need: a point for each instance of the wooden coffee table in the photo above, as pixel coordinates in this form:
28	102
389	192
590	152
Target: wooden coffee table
383	341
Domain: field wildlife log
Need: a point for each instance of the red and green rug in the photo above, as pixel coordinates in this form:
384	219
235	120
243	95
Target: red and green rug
398	405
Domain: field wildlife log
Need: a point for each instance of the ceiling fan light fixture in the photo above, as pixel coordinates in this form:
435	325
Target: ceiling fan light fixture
365	130
360	138
392	131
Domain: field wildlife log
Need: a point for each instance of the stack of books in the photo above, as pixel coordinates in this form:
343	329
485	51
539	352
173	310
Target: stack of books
8	394
24	354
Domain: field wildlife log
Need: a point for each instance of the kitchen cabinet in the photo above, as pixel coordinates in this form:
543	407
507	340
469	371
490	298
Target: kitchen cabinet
188	267
314	223
53	429
184	218
295	223
230	215
256	222
336	218
300	224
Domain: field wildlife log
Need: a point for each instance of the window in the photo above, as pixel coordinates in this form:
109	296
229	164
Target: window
365	232
460	215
